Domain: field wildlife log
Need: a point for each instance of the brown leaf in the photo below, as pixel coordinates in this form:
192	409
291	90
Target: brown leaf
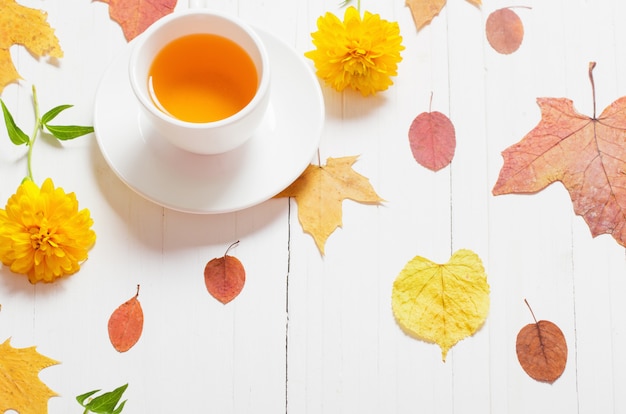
541	350
423	11
586	154
320	192
24	26
126	324
432	140
21	389
504	30
135	16
224	277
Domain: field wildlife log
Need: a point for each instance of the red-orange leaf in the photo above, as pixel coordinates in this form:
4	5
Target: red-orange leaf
541	350
504	30
586	154
135	16
224	277
126	324
432	140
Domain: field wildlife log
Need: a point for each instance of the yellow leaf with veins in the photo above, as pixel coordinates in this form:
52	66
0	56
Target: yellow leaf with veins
442	303
320	192
423	11
24	26
20	387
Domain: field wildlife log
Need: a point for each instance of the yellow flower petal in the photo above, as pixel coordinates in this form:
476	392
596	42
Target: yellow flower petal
362	54
43	234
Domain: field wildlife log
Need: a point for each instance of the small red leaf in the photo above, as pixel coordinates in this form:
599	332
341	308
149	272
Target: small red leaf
126	324
432	140
542	350
504	30
224	277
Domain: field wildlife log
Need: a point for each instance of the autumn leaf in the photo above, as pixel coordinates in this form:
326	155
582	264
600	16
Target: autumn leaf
423	11
24	26
135	16
504	30
224	277
542	350
442	303
126	324
20	387
320	191
432	139
586	154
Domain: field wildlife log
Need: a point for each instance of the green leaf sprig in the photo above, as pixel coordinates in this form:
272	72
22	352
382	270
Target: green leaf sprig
105	403
42	124
344	3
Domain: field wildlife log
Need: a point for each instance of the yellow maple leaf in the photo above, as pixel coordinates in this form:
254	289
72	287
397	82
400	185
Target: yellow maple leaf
20	387
27	27
442	303
423	11
320	191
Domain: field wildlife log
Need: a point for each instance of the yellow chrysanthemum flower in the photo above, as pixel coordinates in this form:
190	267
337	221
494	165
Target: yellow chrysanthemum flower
360	53
42	233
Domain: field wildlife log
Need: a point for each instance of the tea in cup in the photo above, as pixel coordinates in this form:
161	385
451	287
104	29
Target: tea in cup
202	79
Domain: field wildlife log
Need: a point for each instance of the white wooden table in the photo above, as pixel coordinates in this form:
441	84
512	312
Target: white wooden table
313	334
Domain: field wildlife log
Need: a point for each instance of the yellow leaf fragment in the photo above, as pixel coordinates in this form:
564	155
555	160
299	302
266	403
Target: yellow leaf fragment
442	303
320	191
424	11
27	27
20	387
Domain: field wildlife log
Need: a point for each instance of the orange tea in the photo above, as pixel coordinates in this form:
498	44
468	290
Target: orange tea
202	78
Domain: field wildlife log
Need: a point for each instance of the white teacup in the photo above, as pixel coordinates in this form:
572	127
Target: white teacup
181	91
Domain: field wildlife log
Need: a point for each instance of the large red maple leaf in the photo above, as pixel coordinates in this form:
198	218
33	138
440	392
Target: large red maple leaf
587	154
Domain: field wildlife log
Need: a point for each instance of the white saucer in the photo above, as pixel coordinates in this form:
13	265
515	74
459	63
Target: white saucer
271	160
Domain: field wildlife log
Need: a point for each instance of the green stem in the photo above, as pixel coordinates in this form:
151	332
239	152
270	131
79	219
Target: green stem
33	137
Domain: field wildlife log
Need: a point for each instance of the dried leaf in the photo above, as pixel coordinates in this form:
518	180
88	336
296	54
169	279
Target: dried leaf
20	387
135	16
542	350
432	140
423	11
24	26
504	30
442	303
224	277
586	154
320	192
126	324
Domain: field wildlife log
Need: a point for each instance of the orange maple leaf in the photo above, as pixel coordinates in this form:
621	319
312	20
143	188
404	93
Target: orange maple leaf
20	387
320	191
24	26
135	16
586	154
423	11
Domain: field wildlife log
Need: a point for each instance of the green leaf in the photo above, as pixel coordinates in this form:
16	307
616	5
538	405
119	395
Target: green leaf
105	404
51	114
17	136
81	398
120	408
67	132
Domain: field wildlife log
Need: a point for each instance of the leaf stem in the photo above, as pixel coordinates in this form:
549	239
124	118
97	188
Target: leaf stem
230	247
531	310
33	137
592	65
